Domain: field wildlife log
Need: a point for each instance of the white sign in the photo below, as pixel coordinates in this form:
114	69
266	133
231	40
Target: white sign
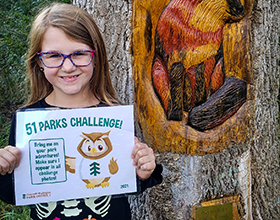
74	153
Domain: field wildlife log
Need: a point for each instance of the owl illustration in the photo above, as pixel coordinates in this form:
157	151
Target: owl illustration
92	167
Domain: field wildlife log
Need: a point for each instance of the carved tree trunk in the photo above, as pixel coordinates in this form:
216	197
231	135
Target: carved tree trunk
246	174
264	144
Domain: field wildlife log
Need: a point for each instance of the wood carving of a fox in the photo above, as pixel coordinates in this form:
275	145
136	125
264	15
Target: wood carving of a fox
187	72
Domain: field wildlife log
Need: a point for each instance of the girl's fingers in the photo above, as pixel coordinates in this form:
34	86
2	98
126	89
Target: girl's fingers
16	153
142	154
5	161
9	159
144	159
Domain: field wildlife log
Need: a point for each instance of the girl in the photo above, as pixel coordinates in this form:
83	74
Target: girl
68	68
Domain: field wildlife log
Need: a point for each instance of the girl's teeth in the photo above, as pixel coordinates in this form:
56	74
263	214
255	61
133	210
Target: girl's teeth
68	77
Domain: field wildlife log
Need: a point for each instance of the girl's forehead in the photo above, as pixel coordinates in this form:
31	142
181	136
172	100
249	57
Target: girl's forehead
55	39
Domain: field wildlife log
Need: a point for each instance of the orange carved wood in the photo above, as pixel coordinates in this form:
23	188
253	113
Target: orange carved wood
176	46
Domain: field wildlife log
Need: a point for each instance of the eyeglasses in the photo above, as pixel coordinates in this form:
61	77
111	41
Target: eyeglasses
78	58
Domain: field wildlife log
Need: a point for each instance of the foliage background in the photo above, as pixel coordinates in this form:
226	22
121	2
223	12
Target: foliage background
16	17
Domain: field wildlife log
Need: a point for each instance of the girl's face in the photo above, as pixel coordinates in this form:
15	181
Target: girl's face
67	80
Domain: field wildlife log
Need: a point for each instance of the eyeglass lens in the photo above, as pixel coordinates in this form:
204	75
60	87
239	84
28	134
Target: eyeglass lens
78	58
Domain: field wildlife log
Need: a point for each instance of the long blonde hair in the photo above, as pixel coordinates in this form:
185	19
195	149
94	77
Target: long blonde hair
80	26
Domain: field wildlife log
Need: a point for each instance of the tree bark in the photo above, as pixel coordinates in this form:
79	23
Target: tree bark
264	125
113	18
250	170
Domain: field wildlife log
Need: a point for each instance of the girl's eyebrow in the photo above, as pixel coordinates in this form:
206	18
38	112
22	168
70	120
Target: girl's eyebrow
57	51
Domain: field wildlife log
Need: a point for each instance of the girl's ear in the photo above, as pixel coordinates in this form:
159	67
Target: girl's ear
38	61
40	64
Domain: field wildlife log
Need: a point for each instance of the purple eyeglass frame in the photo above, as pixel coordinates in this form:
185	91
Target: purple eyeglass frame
66	56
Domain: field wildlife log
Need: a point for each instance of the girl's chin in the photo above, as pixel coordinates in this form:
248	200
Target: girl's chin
71	92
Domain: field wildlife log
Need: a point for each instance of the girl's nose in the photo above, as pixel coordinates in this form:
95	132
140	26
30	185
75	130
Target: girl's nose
68	66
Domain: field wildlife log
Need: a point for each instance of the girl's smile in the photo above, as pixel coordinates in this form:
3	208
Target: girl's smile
69	78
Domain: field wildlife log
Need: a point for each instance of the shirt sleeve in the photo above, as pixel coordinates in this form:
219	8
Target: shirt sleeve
6	181
154	179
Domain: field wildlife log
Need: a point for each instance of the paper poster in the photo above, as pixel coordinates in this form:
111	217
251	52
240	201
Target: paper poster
74	153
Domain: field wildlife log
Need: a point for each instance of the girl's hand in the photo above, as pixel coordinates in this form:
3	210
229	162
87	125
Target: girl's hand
9	159
144	159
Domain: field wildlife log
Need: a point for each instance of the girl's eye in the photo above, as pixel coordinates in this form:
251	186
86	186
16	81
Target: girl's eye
52	56
55	55
78	53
